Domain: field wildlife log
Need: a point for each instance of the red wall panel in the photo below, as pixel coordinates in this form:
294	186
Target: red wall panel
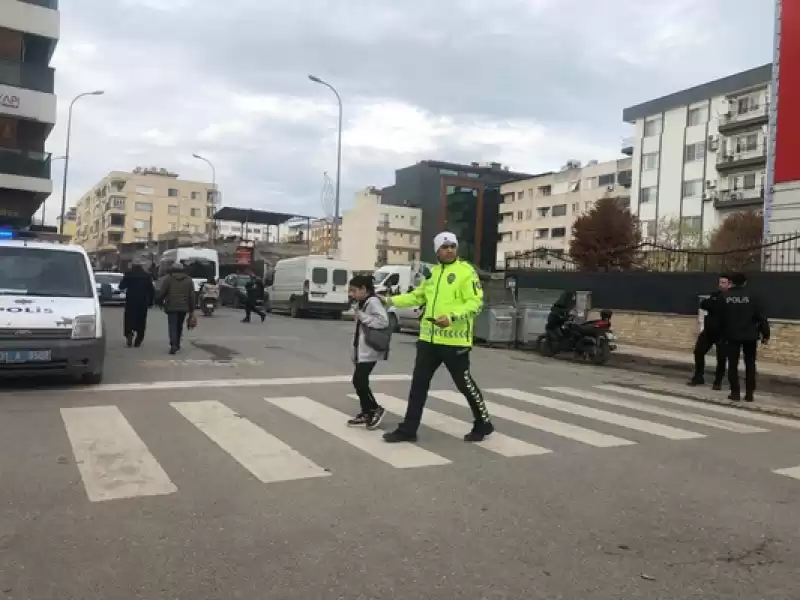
787	136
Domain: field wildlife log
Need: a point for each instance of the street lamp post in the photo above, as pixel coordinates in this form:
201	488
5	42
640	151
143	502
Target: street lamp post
66	154
316	79
44	204
214	188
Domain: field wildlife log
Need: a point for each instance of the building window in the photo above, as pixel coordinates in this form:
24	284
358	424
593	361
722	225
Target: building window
746	181
606	180
196	213
648	194
692	188
542	234
118	203
576	207
747	143
747	104
530	192
143	207
650	161
575	186
141	224
648	228
412	221
195	195
412	256
528	214
690	225
652	126
558	232
173	210
172	193
697	116
560	210
544	211
520	195
591	183
145	190
544	190
696	151
516	235
519	215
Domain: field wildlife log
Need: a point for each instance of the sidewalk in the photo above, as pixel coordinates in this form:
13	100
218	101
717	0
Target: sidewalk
784	372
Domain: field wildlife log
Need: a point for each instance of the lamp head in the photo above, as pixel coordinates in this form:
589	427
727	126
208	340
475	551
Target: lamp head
315	79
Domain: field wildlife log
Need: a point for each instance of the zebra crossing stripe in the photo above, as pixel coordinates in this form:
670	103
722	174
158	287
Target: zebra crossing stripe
265	456
112	459
497	442
793	472
559	428
400	456
665	431
657	410
739	414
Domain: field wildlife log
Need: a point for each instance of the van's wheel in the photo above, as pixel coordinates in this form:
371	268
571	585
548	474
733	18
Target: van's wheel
394	324
294	309
92	378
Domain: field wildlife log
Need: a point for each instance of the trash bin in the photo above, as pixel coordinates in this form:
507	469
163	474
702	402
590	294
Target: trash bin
496	325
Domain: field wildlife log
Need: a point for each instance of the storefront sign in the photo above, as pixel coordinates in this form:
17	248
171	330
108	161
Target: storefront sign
244	255
9	100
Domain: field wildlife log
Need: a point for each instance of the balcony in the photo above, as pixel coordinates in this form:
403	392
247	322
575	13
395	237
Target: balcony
115	204
627	146
732	122
27	76
24	163
739	198
52	4
728	160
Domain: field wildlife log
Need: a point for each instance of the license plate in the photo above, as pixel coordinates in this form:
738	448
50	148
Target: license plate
611	336
317	293
24	356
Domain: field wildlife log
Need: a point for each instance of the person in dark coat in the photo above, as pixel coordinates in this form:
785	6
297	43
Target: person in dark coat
744	324
177	296
139	297
254	290
711	335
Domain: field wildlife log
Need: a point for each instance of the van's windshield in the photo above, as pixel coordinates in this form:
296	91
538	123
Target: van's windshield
381	275
200	268
43	272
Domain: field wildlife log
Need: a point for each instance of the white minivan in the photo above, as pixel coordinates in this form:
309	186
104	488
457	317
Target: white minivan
50	316
310	284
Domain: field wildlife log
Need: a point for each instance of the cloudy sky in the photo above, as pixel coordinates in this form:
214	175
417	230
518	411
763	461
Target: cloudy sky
529	83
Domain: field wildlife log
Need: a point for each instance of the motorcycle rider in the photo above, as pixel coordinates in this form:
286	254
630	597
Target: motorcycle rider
744	324
711	335
560	313
208	289
452	296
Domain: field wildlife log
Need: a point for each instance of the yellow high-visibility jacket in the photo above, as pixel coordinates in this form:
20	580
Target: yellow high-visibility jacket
453	290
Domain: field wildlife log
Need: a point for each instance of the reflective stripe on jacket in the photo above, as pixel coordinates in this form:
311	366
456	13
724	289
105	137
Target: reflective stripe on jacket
452	290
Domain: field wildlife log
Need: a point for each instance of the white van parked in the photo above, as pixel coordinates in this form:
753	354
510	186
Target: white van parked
310	284
50	316
391	280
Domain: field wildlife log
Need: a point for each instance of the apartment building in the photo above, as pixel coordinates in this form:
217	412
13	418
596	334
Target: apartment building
140	205
375	233
539	212
247	231
29	32
70	223
321	235
701	153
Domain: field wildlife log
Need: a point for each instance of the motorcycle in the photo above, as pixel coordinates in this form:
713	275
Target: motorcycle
588	340
209	298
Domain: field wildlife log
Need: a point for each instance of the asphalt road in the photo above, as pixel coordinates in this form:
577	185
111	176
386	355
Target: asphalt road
226	472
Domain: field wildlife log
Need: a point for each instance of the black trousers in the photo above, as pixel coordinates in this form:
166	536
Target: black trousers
175	321
456	360
701	348
748	349
250	307
135	321
361	385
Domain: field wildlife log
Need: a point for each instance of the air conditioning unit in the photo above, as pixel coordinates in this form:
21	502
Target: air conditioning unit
610	188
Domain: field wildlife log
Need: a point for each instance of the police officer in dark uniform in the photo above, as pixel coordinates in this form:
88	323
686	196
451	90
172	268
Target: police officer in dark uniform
744	324
711	335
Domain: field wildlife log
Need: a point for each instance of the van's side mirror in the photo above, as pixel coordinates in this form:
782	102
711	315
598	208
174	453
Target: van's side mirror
410	289
105	291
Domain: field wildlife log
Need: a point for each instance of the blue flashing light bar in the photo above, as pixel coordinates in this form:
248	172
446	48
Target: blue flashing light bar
7	234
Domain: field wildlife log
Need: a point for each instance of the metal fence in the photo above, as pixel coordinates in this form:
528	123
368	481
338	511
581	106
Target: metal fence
778	253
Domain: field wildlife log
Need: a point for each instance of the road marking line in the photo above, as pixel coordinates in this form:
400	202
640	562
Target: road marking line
656	410
226	383
604	416
113	461
567	430
793	472
401	456
731	412
264	455
497	442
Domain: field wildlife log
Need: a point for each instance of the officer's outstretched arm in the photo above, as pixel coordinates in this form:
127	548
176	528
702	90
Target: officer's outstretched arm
415	297
472	295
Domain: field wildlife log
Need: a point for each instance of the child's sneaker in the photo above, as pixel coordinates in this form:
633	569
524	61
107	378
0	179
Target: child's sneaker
359	419
375	417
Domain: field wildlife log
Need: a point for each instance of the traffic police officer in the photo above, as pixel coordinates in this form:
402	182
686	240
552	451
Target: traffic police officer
744	323
452	297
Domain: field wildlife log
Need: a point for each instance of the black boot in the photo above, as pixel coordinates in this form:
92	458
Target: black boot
479	432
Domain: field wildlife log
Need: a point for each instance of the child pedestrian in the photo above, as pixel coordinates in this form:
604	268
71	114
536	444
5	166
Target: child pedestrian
369	314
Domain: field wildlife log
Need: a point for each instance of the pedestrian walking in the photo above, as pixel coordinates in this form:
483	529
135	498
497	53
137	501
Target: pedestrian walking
452	296
177	296
711	335
254	293
745	322
139	297
371	319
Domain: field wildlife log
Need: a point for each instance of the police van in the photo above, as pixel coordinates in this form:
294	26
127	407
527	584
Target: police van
50	316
